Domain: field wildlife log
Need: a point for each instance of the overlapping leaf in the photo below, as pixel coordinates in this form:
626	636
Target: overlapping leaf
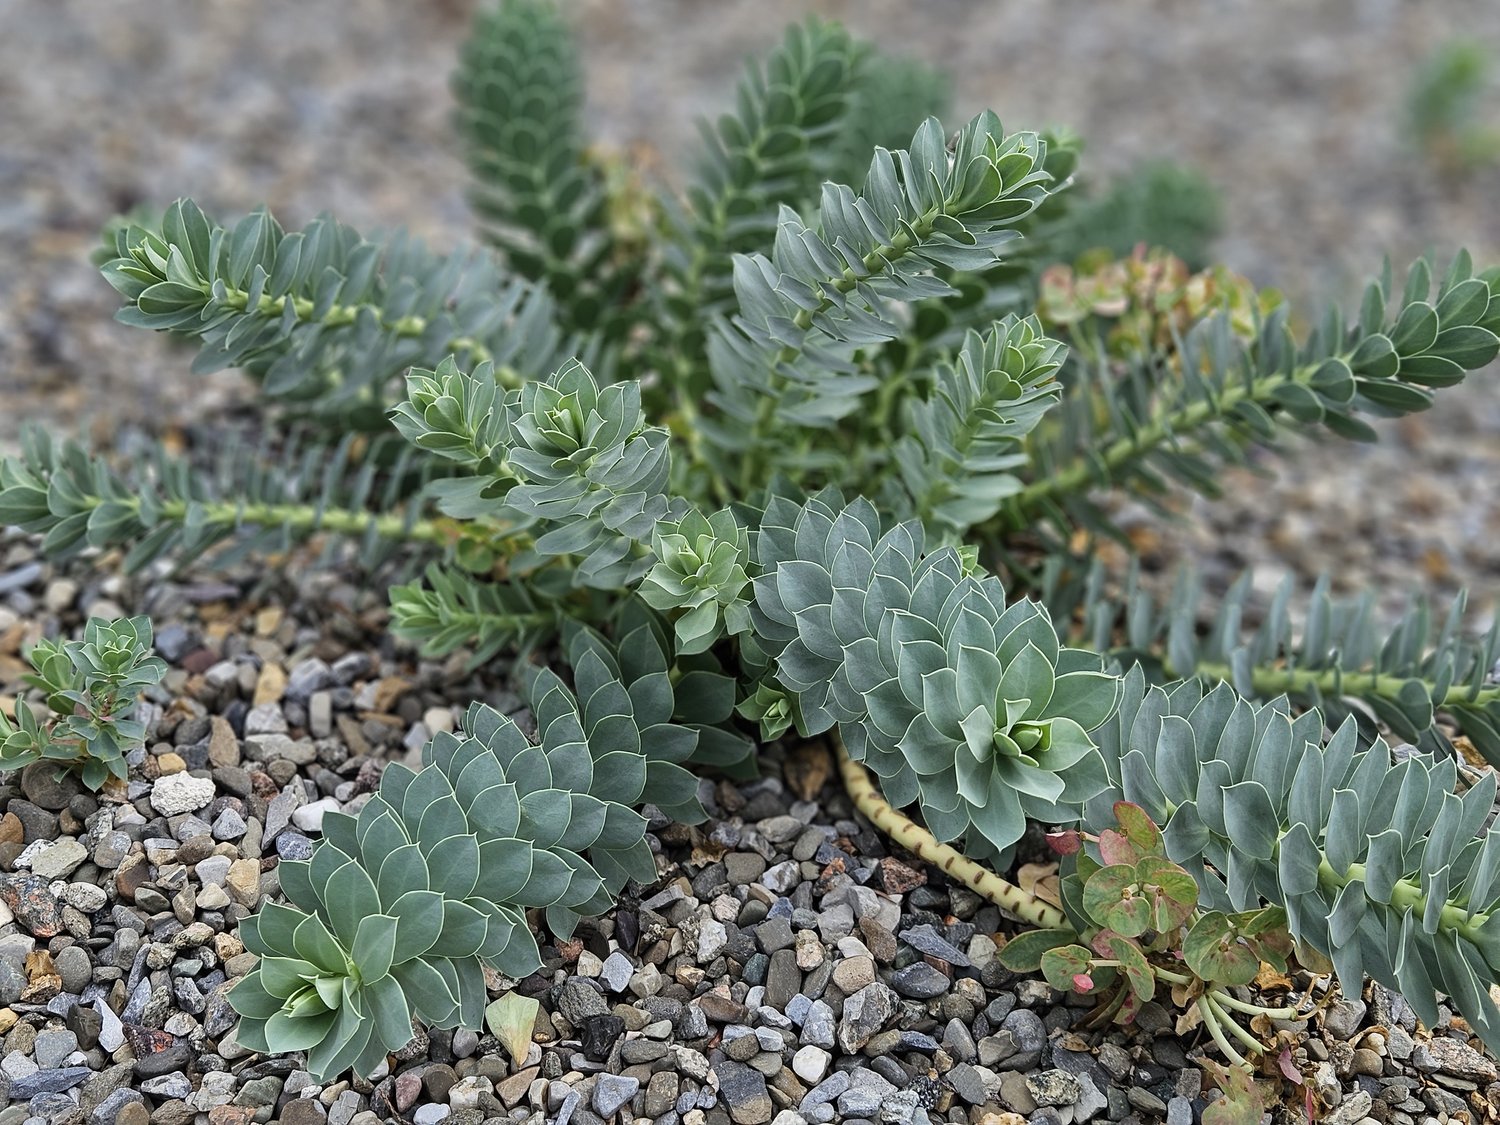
447	858
1381	865
574	462
257	500
958	702
965	438
542	201
1336	655
1185	420
830	290
322	315
92	686
772	150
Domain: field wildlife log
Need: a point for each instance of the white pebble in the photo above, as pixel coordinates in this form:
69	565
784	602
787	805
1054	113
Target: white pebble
810	1064
309	818
180	793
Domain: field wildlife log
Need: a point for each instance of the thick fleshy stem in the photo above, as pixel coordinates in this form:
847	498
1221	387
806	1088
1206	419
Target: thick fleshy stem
923	844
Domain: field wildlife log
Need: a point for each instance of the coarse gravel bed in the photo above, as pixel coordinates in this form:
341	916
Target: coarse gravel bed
787	966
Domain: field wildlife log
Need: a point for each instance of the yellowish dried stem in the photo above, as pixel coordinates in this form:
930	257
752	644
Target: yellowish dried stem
923	844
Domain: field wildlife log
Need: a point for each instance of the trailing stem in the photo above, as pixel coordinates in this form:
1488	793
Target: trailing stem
923	844
1270	682
1090	468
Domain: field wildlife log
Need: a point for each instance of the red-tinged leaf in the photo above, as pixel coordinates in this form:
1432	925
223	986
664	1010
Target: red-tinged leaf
1214	950
1060	966
1137	969
1288	1067
1139	828
1239	1101
1065	843
1116	850
1253	922
1112	899
1172	892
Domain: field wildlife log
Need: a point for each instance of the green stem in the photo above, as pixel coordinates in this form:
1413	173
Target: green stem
308	518
1288	1012
923	844
1211	1021
1225	1020
1336	682
1221	997
1086	470
1406	895
1024	507
339	316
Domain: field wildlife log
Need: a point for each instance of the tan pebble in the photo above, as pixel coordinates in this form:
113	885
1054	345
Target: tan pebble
268	620
243	881
170	763
270	685
438	720
223	746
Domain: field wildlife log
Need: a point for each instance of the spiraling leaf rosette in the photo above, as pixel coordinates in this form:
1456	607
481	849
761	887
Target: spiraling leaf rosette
331	991
403	905
968	706
771	707
565	458
588	462
92	686
701	569
986	701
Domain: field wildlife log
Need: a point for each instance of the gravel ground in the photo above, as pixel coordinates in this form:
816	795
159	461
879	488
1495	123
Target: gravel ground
785	966
1293	110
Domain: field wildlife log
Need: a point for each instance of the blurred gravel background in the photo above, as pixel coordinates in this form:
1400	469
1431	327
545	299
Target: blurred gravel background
1294	109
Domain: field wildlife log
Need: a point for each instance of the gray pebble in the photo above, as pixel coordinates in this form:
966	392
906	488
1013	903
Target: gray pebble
48	1082
1344	1018
1030	1036
1053	1087
616	972
74	967
306	677
612	1091
743	1090
920	981
781	878
925	939
966	1082
228	825
58	859
577	999
173	1085
53	1047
